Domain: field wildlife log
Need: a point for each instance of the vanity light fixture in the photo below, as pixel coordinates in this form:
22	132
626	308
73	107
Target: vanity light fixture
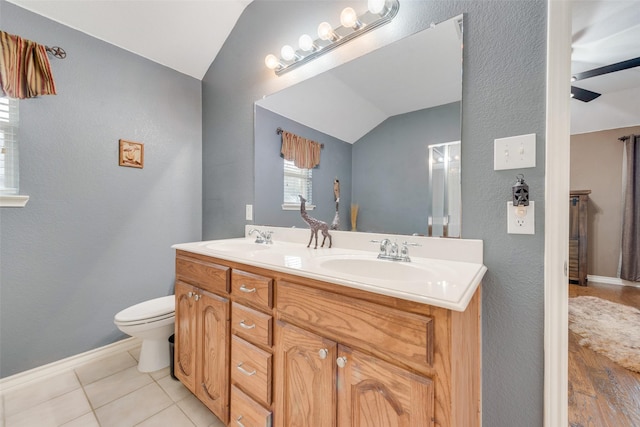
378	13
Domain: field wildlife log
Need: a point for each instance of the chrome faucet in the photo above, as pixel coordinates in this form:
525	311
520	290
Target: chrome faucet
263	236
391	251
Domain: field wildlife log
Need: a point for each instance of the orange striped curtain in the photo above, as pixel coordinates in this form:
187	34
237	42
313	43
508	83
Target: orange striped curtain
25	71
304	153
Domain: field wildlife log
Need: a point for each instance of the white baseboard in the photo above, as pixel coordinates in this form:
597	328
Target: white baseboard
612	281
46	371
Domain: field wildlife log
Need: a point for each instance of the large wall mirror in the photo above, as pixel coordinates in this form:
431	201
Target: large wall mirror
379	117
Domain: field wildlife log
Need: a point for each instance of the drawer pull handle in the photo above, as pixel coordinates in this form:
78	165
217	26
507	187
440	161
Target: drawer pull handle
238	421
341	362
323	353
244	371
244	289
245	326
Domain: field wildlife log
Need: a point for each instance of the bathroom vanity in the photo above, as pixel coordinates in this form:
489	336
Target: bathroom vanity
286	335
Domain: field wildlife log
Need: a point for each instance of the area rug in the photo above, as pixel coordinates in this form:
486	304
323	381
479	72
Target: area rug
608	328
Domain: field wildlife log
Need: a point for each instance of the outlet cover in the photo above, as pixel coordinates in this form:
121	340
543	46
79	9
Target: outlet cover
521	222
515	152
248	214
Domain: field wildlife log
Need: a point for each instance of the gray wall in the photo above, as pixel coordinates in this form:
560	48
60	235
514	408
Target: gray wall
391	169
503	95
95	237
335	161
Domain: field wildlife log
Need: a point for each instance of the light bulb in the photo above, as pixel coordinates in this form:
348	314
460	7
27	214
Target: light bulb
349	19
325	32
376	6
271	61
306	43
521	211
287	53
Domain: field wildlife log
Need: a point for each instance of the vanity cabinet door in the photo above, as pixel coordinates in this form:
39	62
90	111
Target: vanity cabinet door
373	393
212	386
185	335
306	378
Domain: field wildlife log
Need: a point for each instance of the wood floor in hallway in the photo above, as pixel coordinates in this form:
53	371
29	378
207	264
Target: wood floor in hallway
602	393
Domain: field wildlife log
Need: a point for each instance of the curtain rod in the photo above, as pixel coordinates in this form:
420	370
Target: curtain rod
56	51
623	138
280	130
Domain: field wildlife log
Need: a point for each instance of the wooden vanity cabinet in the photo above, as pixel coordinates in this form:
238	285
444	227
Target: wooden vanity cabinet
251	349
323	381
302	352
202	332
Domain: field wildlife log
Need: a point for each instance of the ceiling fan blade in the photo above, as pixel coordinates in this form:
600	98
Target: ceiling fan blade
624	65
583	94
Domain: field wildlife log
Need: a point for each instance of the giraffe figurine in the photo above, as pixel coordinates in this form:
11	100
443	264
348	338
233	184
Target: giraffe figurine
315	224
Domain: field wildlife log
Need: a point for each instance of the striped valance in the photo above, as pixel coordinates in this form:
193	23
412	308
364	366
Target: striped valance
25	71
303	152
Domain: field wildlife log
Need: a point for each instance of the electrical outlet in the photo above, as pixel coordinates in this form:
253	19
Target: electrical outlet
248	214
520	219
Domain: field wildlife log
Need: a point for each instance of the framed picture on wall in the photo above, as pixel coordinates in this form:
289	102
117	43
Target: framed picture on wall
131	154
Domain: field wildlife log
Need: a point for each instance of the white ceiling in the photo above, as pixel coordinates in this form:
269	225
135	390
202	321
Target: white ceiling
605	32
185	35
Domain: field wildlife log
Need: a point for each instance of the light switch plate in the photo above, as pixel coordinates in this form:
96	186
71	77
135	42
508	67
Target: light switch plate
248	214
521	224
515	152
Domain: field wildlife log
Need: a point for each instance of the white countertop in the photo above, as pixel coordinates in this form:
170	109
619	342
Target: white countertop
434	276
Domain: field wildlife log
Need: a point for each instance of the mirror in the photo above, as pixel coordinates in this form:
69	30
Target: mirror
378	117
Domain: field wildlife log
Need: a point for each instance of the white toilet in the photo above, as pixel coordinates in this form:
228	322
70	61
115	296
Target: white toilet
153	322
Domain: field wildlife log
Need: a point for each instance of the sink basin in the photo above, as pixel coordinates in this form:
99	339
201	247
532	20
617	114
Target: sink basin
373	268
237	246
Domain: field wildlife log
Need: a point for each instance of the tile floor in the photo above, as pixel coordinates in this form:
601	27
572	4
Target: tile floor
107	393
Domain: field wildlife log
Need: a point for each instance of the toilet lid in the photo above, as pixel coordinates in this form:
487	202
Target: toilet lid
157	307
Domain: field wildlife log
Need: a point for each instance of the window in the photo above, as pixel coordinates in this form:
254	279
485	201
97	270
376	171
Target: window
296	181
8	146
9	154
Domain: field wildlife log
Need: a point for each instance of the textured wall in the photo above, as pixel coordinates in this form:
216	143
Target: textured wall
503	95
596	165
95	237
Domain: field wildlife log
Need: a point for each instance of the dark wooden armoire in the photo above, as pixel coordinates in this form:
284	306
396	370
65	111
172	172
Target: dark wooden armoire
578	236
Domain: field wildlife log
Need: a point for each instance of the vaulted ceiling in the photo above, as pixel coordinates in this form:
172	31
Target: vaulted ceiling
604	32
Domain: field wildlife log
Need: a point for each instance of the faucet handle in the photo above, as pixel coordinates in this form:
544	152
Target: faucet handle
404	252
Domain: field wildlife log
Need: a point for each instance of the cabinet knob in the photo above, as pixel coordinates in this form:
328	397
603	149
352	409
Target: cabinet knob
245	326
239	424
197	297
189	294
323	353
244	289
341	362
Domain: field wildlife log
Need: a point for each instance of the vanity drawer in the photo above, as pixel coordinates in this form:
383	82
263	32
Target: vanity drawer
251	369
252	325
400	336
206	275
253	289
245	411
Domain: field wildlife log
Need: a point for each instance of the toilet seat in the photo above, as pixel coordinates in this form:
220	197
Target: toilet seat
147	312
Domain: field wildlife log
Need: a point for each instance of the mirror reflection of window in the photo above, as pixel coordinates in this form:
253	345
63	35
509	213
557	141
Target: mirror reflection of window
297	182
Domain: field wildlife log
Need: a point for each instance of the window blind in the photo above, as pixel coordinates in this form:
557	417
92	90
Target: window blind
8	145
296	181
